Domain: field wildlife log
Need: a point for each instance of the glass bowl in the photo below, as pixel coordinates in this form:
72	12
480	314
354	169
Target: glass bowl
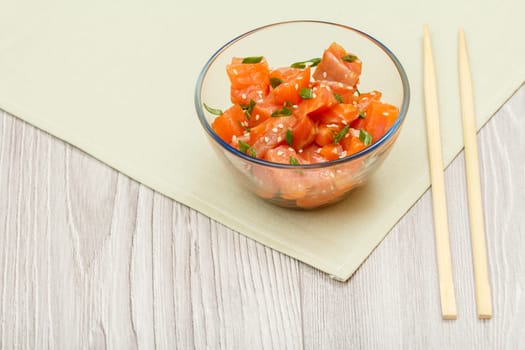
305	186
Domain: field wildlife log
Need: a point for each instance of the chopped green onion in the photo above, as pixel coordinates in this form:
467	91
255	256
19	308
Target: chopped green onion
362	115
253	59
294	161
289	137
275	82
248	109
338	98
214	111
313	62
349	58
365	137
244	147
306	93
341	134
283	112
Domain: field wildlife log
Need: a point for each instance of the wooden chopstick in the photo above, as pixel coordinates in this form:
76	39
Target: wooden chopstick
477	230
446	283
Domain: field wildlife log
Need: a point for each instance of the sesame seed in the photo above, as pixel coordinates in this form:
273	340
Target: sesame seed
243	96
332	125
280	125
314	95
301	150
266	139
274	129
279	139
318	150
340	84
365	98
325	75
385	114
234	138
295	106
347	135
344	122
245	123
280	153
343	154
259	100
296	86
290	149
334	151
300	78
373	93
260	93
257	116
235	71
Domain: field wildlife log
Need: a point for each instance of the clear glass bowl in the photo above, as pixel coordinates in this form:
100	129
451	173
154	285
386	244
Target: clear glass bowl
312	185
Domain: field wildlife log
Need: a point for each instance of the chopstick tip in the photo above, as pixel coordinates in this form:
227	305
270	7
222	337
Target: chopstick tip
426	33
461	32
484	316
450	316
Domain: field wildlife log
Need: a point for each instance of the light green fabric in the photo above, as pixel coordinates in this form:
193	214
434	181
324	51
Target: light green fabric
116	79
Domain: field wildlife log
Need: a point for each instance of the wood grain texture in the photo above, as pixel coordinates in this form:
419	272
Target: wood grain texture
90	259
93	260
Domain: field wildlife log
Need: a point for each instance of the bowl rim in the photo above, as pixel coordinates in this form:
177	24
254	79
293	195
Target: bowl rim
392	131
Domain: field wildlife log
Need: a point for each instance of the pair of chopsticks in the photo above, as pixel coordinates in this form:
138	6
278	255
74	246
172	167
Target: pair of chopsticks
479	249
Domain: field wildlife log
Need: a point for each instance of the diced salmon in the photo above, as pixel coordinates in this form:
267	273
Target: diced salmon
332	67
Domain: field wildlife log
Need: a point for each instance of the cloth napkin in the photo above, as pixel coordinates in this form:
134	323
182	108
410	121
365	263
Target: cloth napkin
117	78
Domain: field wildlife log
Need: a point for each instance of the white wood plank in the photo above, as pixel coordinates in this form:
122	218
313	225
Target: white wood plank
502	153
141	273
92	259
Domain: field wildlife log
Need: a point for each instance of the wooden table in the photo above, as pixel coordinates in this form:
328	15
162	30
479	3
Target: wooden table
90	259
